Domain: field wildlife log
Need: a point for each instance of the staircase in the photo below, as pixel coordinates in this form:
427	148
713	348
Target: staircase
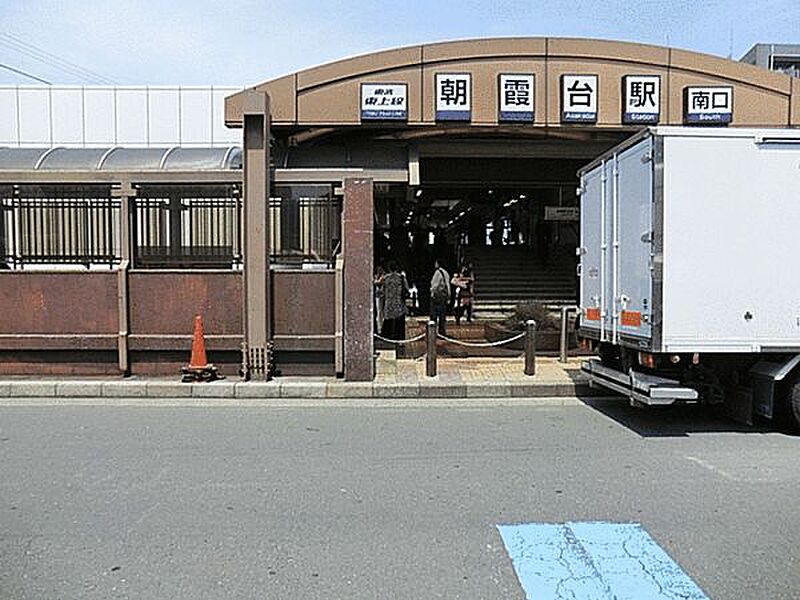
507	275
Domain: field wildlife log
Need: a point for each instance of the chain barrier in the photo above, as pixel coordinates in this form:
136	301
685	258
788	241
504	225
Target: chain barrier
418	338
431	336
482	344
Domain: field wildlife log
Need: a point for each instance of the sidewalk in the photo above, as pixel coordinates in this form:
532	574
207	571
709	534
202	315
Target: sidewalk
457	378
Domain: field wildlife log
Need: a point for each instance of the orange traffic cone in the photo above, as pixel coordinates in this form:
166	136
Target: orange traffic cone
198	359
198	368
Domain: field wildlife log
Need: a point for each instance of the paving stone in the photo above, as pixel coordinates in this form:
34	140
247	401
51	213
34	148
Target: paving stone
395	390
258	389
442	390
5	389
566	389
500	389
168	389
214	389
534	390
299	389
79	389
125	389
32	389
354	389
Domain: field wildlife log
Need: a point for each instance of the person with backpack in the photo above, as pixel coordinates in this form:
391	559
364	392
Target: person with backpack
440	297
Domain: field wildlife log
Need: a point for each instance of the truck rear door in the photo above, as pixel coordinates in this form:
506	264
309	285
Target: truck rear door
616	251
590	253
632	258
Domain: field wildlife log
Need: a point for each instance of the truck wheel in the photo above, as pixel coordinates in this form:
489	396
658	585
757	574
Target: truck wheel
787	407
609	355
793	408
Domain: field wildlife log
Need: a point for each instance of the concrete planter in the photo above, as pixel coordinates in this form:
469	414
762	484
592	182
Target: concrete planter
548	340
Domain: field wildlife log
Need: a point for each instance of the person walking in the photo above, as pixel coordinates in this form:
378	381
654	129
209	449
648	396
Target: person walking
440	297
395	290
377	283
463	282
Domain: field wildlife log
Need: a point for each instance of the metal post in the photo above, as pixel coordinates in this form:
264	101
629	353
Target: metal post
125	192
256	238
530	347
175	230
562	356
430	357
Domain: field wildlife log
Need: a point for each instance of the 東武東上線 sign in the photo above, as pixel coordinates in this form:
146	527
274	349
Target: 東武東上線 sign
384	101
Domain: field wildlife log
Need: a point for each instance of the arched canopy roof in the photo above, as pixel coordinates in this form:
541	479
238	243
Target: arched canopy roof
328	95
120	159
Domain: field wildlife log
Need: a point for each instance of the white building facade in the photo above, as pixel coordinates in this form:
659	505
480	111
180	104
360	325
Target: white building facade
130	116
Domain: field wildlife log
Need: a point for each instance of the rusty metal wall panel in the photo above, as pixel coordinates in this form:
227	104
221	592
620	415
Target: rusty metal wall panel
58	303
58	363
303	303
165	302
53	342
182	343
169	363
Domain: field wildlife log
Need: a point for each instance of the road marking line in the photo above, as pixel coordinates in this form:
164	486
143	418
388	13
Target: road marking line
594	561
714	469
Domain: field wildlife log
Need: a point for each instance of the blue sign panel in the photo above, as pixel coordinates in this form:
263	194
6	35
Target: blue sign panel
384	102
453	96
712	105
641	99
516	98
579	98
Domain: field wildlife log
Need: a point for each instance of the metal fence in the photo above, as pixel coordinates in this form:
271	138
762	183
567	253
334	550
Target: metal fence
187	226
305	224
59	225
172	226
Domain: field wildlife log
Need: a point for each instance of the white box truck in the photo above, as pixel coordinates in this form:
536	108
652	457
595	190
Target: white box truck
689	268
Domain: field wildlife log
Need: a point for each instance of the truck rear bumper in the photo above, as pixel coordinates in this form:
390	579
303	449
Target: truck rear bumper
639	387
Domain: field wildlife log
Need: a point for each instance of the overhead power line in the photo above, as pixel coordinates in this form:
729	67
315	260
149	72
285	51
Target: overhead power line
50	59
23	73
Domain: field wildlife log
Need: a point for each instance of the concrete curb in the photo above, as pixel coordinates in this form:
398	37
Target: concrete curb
312	389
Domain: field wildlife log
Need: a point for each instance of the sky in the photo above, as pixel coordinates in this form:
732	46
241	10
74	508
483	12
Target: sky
244	42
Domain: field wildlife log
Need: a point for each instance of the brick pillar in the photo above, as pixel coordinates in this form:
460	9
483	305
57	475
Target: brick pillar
357	228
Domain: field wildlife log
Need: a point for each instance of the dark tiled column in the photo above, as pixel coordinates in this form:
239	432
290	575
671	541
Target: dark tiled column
357	249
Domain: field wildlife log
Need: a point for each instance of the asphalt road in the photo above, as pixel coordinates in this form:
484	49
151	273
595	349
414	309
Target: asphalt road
363	502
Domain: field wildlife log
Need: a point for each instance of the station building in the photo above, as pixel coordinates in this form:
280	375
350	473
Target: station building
465	151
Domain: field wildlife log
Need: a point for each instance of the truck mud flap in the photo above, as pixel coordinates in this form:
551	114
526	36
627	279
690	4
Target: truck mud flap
639	387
